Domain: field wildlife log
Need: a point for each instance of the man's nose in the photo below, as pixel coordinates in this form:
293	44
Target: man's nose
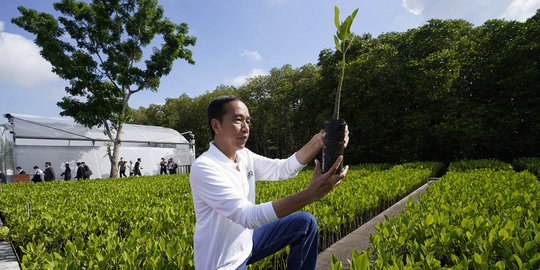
245	126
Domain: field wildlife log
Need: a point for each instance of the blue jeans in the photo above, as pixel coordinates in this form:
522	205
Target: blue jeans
299	230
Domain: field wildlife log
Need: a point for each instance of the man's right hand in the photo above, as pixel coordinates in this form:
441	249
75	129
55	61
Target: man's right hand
322	184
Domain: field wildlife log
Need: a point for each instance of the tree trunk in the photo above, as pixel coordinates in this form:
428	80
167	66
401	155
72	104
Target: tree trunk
117	142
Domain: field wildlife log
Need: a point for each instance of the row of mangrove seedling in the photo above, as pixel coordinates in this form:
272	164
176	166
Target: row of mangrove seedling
148	222
480	215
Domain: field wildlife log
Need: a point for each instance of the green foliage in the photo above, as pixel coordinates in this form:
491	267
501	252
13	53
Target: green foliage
467	165
341	40
343	30
148	222
361	196
478	219
143	223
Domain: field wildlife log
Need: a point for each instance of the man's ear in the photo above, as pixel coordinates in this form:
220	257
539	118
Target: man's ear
215	125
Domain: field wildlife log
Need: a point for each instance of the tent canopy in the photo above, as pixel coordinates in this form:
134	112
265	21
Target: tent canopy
49	128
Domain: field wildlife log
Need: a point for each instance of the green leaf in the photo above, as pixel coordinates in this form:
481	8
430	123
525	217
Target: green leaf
338	44
336	17
99	257
353	14
529	245
336	264
401	240
429	220
363	261
170	251
477	258
343	32
500	265
518	260
503	233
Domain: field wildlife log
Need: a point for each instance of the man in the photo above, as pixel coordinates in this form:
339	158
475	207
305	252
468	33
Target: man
86	171
172	166
137	168
3	177
38	175
80	171
232	231
122	166
163	166
67	173
20	170
49	172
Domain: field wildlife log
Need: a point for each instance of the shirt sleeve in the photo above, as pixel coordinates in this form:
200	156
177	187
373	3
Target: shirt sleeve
216	190
276	169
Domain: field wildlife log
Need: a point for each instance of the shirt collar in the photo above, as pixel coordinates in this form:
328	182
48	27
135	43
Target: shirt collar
219	156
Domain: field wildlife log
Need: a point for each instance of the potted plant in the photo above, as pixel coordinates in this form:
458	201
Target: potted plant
335	128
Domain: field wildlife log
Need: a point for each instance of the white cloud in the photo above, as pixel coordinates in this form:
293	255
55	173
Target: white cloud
1	26
251	55
20	61
240	80
475	11
521	10
414	6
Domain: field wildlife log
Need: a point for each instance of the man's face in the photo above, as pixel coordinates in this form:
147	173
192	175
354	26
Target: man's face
233	130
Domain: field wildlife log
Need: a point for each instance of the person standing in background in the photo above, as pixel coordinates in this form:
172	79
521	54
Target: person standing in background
163	166
38	174
130	167
80	171
67	173
137	169
122	167
86	171
3	177
49	172
20	170
172	166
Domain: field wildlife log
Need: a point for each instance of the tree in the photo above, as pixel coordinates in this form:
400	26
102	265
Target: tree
103	60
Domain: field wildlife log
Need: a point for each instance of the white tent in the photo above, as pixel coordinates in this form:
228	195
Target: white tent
32	140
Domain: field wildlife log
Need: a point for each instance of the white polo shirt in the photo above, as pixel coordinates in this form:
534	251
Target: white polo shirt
224	200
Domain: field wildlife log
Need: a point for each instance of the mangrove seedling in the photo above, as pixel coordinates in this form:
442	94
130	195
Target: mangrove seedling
335	128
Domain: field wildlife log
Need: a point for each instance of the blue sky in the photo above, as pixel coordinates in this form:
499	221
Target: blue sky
236	39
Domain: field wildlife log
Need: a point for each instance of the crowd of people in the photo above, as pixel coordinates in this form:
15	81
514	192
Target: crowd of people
84	172
165	167
38	175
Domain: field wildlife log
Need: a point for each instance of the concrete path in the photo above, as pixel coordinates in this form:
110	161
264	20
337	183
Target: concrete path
359	239
8	260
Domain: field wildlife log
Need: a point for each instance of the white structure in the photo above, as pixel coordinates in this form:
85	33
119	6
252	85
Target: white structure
28	140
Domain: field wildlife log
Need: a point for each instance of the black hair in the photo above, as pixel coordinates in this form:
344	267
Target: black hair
216	110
